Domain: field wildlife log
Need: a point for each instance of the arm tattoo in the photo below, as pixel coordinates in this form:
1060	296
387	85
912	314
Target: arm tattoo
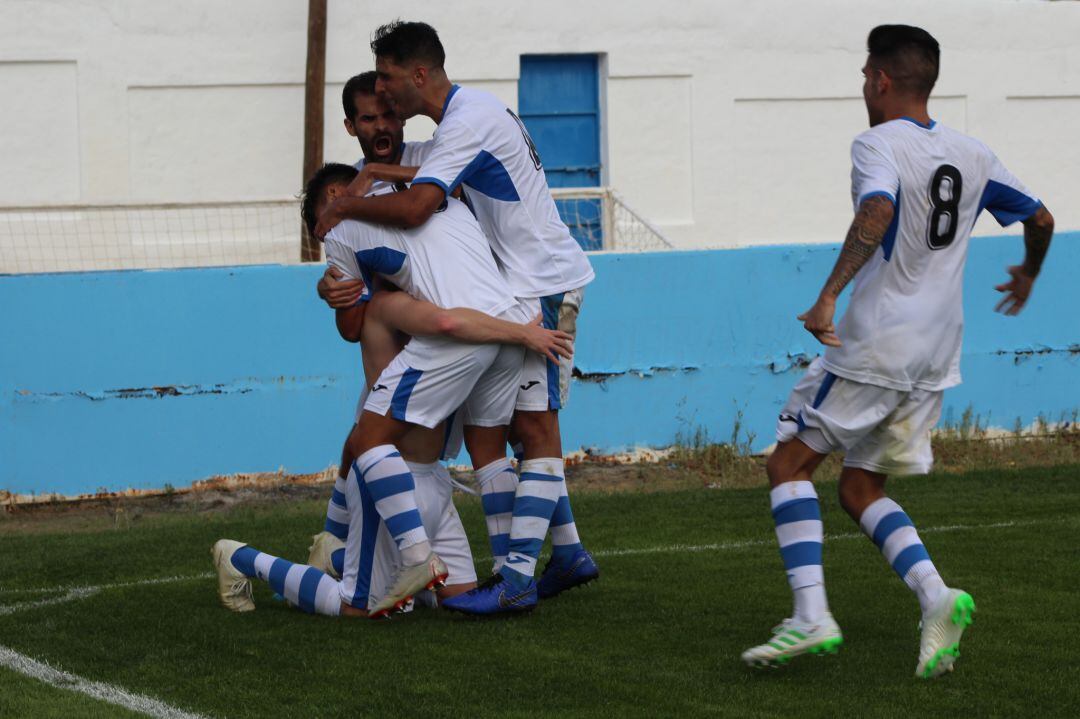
866	232
1038	229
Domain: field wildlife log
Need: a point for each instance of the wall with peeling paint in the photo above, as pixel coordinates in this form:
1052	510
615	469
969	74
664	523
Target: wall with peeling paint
138	379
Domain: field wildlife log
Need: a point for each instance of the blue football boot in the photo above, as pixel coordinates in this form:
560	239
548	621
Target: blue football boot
558	577
495	596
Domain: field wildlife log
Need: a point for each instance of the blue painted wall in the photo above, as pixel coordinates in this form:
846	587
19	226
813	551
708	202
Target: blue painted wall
138	379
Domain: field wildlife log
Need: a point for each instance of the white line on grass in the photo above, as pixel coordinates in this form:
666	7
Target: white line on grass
68	596
110	693
771	541
100	587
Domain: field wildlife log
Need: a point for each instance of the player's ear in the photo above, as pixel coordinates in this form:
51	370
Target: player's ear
349	128
420	75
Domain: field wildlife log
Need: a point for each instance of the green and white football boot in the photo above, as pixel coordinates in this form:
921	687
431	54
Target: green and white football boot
942	627
792	638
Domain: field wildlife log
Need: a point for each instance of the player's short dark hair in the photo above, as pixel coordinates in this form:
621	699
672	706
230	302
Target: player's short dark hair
910	56
405	42
362	84
326	175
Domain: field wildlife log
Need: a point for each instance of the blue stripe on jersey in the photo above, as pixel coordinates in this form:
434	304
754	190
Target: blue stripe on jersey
384	260
446	102
1006	204
889	240
400	402
877	193
929	126
823	390
487	175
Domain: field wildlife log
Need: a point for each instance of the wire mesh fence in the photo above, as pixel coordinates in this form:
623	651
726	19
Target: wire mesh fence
119	237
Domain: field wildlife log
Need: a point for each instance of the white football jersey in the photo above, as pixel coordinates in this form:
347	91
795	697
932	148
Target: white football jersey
413	154
484	145
446	261
904	323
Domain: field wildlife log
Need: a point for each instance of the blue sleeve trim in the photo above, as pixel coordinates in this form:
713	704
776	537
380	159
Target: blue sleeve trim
1007	204
432	181
877	193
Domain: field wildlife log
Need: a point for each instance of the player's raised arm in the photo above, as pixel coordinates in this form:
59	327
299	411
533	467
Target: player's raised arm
411	208
863	239
1038	231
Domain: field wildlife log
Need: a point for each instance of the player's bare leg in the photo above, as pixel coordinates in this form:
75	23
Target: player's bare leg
946	612
811	628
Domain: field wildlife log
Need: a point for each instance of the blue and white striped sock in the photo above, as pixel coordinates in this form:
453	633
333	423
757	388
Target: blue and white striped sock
886	523
797	514
538	492
305	587
565	542
391	485
498	484
337	522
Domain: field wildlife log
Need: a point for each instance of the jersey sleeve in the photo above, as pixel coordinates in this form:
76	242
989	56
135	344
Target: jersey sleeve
455	151
1005	196
339	255
873	173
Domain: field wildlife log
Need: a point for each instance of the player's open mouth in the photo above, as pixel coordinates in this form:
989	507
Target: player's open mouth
383	143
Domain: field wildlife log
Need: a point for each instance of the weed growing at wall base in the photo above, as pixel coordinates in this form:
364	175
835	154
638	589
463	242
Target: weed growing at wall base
691	577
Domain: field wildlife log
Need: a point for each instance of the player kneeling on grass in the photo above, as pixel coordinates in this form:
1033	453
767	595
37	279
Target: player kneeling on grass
918	188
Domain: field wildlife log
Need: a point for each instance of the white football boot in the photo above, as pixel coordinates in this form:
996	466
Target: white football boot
792	638
410	579
234	589
323	546
942	627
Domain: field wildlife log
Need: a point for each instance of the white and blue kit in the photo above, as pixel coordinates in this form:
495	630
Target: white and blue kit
480	143
878	395
447	262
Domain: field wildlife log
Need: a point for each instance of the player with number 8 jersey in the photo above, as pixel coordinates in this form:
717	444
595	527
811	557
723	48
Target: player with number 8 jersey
904	323
876	394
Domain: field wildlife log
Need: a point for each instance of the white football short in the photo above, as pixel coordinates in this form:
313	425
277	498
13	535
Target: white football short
545	385
372	558
879	429
482	380
454	429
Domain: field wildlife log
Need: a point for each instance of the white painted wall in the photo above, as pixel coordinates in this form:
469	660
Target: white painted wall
728	121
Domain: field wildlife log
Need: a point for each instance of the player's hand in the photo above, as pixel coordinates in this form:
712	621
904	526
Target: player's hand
339	293
361	184
550	343
1017	290
328	220
818	321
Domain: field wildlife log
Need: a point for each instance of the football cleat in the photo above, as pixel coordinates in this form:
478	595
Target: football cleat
792	638
410	579
321	551
234	589
942	627
495	596
577	571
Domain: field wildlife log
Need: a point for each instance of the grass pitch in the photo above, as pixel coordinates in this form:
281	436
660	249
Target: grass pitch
690	578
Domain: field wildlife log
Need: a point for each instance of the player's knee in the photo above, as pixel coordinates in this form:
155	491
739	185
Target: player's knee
856	495
534	427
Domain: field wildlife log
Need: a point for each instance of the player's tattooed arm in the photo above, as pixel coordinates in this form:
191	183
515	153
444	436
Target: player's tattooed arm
863	238
1038	230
